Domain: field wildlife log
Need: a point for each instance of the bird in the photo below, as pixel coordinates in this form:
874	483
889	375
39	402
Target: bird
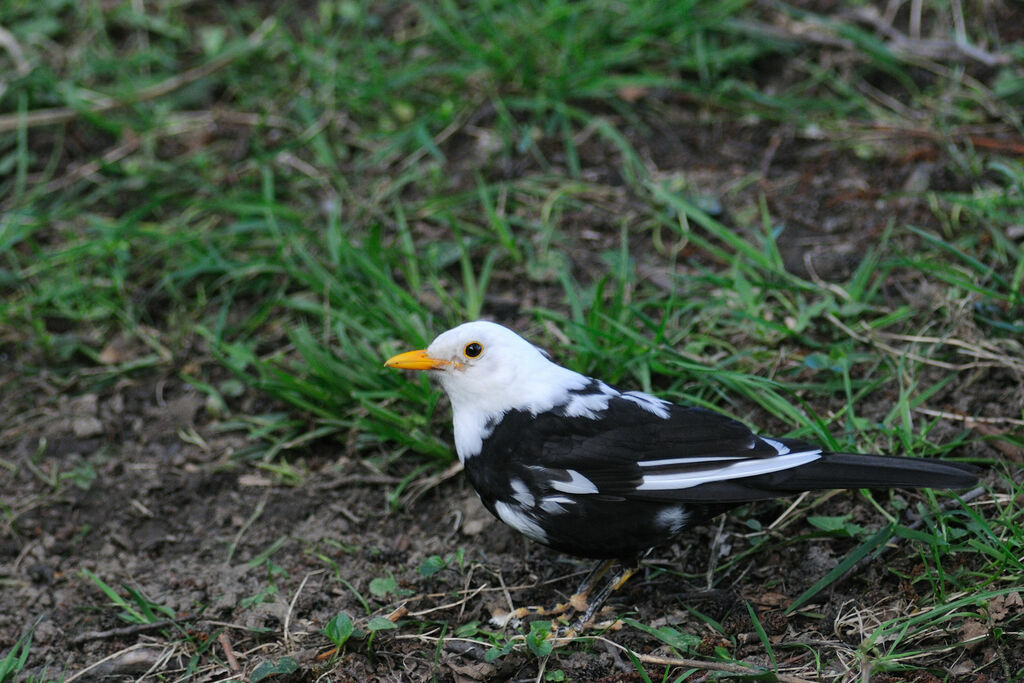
597	472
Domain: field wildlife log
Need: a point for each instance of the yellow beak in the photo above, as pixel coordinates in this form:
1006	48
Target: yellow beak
416	360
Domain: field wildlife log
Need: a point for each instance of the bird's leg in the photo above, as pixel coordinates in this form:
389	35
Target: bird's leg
578	601
613	584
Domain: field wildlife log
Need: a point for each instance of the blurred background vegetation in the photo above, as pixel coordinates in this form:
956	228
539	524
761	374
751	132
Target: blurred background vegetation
293	194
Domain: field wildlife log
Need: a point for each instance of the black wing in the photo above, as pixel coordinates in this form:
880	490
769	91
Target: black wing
691	455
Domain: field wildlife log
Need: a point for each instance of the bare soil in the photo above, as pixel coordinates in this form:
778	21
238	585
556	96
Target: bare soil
185	525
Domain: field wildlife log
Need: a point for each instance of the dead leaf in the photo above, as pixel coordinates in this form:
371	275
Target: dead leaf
478	671
973	630
773	600
1002	605
1012	451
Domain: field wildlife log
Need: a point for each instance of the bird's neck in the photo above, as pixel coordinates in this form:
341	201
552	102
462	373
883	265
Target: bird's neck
475	416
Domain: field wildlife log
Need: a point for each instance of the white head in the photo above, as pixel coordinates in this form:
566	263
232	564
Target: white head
487	370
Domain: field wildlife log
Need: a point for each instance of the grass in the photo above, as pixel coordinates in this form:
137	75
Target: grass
269	206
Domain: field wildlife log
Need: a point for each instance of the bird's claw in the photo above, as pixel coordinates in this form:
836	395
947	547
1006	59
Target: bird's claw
564	633
500	618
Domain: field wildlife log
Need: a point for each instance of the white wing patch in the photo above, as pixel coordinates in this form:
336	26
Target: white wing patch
520	521
782	448
555	505
577	484
651	404
745	468
686	461
589	405
521	492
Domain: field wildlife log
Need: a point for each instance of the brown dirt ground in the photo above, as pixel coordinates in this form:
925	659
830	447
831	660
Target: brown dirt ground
162	515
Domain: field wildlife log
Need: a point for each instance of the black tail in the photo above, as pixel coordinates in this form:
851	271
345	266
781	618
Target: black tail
852	471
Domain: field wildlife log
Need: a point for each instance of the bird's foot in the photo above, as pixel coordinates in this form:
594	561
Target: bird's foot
573	617
578	603
567	619
500	618
566	630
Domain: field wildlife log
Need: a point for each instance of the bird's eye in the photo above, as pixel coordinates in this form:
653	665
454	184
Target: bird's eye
473	349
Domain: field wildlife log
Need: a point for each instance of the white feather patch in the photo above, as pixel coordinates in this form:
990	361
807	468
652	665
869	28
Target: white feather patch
521	492
686	461
586	405
651	404
746	468
672	519
555	505
470	431
576	484
782	448
520	521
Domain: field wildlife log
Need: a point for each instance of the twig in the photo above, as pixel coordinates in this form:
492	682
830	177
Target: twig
504	589
291	607
908	46
423	485
969	419
815	32
700	664
229	653
903	353
647	659
122	631
398	613
712	666
140	653
347	514
46	117
484	588
449	605
793	506
987	351
541	668
465	587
